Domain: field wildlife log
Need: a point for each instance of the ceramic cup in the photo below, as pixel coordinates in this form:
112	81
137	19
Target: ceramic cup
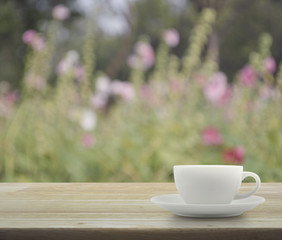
211	184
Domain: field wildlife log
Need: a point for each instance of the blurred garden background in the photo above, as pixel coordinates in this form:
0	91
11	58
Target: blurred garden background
122	90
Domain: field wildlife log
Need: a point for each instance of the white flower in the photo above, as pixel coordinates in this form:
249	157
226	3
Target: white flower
123	89
88	120
105	88
103	84
61	12
68	62
72	56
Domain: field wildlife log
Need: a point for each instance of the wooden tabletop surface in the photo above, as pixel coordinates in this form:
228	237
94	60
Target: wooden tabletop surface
123	211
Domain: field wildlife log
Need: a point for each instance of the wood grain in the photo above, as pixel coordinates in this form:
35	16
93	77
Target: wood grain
123	211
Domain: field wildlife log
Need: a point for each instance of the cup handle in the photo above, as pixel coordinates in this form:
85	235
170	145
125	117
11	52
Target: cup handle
256	177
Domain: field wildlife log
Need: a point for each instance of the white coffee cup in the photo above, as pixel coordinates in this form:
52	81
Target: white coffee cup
211	184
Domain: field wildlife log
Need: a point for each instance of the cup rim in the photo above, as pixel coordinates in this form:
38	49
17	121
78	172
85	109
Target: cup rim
208	166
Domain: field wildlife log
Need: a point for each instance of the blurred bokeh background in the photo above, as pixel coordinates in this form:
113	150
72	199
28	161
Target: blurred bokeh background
122	90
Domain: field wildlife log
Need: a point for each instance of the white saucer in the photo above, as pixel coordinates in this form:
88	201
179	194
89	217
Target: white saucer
175	204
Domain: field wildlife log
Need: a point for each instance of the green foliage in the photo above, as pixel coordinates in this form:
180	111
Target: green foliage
141	138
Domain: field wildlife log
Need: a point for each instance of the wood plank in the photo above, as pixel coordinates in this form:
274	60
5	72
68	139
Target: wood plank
123	211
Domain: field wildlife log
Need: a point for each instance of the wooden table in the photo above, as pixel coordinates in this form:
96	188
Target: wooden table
123	211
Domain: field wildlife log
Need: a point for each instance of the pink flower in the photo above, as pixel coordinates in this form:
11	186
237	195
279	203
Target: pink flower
11	98
99	100
38	43
29	36
146	52
171	37
88	140
123	89
216	88
144	56
248	76
211	136
234	155
61	12
105	88
226	96
270	64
